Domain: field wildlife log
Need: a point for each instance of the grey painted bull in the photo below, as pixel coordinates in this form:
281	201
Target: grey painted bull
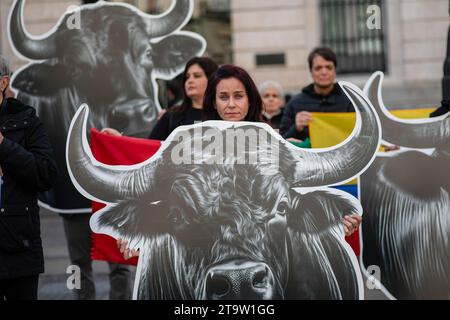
405	197
222	228
111	62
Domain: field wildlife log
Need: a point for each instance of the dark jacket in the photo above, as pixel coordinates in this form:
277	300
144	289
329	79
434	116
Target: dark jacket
443	109
274	121
26	159
173	119
310	101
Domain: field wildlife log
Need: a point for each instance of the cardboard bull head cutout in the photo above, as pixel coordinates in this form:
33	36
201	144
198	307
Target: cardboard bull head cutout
110	61
405	197
230	210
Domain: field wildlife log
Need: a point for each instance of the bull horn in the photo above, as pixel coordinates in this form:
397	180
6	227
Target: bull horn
176	17
25	45
345	161
417	133
97	181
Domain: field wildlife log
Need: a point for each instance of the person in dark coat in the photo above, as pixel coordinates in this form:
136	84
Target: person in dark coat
323	95
27	167
195	80
443	109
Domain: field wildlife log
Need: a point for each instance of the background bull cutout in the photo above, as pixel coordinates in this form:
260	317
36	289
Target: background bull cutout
110	62
221	228
405	197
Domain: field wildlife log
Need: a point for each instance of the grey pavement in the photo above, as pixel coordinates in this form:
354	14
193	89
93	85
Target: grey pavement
52	284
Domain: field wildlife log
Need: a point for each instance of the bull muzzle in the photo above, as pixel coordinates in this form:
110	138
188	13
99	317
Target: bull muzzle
236	280
131	116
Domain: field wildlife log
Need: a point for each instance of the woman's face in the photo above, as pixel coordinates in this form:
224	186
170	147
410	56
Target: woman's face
231	100
272	100
196	82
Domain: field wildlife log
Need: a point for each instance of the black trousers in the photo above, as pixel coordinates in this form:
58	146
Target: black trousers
77	230
24	288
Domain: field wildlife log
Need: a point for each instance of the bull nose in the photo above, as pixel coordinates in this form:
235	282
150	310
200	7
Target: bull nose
132	116
240	280
119	120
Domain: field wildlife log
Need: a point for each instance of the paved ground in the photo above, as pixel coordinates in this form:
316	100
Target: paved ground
52	284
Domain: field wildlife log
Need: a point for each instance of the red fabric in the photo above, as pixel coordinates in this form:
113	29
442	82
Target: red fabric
114	151
353	241
110	150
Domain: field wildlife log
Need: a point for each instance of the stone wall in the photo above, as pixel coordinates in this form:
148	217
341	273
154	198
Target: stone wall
269	27
424	32
416	41
416	45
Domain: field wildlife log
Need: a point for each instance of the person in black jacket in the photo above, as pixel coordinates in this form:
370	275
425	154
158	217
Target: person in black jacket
27	167
323	95
195	80
443	109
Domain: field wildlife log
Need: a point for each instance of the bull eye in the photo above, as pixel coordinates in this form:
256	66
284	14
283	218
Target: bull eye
283	206
147	57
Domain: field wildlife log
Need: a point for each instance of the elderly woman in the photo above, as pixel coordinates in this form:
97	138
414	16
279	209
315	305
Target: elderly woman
273	98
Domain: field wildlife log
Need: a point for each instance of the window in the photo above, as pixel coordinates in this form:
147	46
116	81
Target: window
344	29
270	59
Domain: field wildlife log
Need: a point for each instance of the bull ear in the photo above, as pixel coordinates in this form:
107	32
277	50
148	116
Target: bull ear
322	268
325	268
319	210
40	79
173	52
132	219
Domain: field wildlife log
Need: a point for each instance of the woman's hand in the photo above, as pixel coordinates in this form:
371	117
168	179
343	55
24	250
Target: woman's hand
125	251
351	223
388	148
111	132
294	140
161	113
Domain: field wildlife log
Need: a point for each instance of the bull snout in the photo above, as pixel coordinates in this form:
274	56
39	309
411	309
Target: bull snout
133	117
238	280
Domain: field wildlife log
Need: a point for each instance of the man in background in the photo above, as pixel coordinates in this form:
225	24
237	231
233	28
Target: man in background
323	95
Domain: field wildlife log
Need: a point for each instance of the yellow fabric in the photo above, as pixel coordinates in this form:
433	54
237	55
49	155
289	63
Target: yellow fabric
329	129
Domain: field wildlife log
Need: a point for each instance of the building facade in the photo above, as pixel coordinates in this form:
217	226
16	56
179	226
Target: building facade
413	38
272	39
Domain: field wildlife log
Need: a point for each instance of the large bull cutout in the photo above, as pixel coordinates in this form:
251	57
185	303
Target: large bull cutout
110	61
405	197
230	210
